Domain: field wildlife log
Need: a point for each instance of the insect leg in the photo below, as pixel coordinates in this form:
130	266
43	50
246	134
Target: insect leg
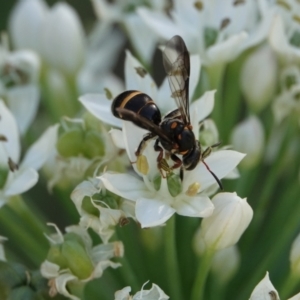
142	144
177	160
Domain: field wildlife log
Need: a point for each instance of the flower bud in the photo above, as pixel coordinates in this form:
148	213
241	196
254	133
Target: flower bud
248	137
264	290
2	253
295	257
25	24
224	227
225	263
259	77
63	39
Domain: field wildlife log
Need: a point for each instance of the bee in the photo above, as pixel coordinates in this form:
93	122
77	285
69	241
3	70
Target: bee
173	132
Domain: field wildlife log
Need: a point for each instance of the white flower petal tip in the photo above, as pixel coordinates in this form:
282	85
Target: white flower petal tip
99	106
295	257
224	227
151	212
264	290
296	297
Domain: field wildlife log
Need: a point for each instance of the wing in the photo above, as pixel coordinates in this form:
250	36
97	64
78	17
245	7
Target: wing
135	118
176	61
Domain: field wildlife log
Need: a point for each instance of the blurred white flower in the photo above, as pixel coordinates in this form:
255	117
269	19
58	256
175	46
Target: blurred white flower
285	31
225	226
17	178
217	30
225	263
248	137
73	259
62	39
155	293
123	12
264	290
19	75
259	77
108	211
2	253
25	24
295	257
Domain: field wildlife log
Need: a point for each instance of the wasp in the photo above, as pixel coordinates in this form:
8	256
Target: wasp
173	132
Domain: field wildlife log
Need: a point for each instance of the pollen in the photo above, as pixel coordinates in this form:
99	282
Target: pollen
142	164
193	189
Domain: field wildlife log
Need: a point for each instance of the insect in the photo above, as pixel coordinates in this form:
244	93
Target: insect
173	132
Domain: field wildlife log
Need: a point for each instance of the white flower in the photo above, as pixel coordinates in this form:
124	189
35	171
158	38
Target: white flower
285	30
20	177
224	227
295	256
2	253
62	39
100	106
248	137
81	261
154	205
259	77
19	75
25	24
264	290
123	11
107	217
217	30
155	293
225	263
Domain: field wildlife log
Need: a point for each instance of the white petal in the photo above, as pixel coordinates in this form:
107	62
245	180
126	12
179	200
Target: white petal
220	162
201	108
9	129
49	269
23	102
101	266
195	73
41	150
61	285
155	293
296	297
194	206
143	40
124	185
164	100
151	212
134	81
264	290
118	138
99	106
159	23
228	50
123	294
21	181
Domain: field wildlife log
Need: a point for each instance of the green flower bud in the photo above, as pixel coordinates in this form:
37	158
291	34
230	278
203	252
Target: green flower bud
93	144
88	207
174	184
71	143
55	256
78	261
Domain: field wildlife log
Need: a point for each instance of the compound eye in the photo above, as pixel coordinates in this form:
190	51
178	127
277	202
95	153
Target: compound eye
186	140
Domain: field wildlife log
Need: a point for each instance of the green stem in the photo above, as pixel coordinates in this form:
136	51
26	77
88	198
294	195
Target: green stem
289	285
173	272
202	273
17	232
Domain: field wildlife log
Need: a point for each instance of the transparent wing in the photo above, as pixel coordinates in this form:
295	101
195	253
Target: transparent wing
176	61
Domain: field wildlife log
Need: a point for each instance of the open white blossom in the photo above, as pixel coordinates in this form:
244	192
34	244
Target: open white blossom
108	212
73	259
156	204
154	293
18	177
19	75
225	226
217	30
123	12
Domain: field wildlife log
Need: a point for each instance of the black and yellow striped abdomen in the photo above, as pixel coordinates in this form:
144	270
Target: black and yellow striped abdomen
138	103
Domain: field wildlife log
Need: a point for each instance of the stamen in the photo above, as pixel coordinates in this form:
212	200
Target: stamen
142	164
12	165
225	22
193	189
